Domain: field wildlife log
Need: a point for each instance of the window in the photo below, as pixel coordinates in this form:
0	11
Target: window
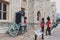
52	11
3	11
52	5
48	0
0	6
38	13
53	18
24	0
53	15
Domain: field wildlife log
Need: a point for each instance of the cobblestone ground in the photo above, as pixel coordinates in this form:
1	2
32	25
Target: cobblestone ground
26	36
30	35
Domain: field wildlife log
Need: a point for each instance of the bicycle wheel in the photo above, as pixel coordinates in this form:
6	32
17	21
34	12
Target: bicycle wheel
13	29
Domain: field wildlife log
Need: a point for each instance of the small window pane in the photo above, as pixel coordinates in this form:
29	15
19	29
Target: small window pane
24	0
4	7
0	6
0	15
4	15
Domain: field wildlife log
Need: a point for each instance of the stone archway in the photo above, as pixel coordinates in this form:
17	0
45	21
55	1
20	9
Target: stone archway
38	16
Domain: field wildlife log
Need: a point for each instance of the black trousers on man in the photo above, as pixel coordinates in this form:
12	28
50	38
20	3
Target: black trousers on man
49	31
42	32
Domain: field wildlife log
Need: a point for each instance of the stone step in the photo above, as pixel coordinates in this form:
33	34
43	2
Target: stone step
3	29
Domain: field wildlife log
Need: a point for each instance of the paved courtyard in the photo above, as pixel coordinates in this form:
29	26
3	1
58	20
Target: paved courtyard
30	35
55	35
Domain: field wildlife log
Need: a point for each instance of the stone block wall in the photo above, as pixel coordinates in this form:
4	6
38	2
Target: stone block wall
14	6
30	11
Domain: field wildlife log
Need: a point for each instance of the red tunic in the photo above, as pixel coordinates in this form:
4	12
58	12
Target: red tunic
42	24
25	22
48	24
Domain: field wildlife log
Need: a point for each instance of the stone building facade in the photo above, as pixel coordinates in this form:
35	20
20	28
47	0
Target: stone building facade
34	11
53	10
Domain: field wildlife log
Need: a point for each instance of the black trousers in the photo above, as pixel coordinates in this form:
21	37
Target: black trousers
25	28
48	30
43	32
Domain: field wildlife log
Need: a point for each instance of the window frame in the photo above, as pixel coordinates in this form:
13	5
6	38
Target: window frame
7	12
2	11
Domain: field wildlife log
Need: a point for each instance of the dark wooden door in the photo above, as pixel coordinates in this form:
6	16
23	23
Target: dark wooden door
18	18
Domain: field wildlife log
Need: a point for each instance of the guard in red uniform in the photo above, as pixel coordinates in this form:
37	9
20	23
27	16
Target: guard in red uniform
42	24
48	26
25	22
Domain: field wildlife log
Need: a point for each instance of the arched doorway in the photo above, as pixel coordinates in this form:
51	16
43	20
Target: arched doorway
38	16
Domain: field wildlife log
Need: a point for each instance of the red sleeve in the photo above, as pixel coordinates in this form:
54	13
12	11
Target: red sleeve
49	24
42	24
25	21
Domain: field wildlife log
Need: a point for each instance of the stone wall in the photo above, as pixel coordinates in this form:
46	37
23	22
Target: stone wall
30	11
32	6
13	8
53	10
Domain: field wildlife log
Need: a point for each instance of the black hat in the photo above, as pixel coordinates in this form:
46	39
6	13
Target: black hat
48	18
43	19
25	18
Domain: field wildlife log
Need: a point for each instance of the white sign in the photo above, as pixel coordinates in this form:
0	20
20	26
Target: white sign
38	32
